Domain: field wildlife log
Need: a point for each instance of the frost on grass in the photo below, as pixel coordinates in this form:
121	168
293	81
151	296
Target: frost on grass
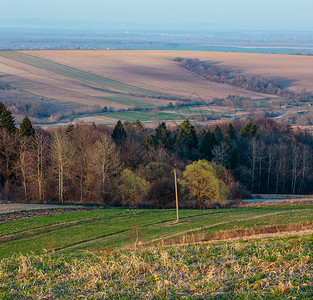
252	269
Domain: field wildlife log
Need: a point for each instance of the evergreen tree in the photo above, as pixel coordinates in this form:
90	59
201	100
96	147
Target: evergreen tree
249	130
207	144
26	127
134	126
119	134
2	108
231	131
186	137
138	125
7	121
162	136
233	158
202	133
218	133
228	141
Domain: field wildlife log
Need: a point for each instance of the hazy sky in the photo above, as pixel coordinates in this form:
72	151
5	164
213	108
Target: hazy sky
265	14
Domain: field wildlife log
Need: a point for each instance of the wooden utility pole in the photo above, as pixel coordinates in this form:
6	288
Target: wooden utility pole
177	215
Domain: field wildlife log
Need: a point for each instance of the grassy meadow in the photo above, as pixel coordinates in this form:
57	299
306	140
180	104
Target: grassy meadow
128	228
123	253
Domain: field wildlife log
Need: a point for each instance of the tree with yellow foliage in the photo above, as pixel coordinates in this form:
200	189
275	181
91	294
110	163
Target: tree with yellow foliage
203	184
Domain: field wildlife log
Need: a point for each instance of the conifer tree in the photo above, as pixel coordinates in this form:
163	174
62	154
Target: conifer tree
162	136
2	108
119	134
231	131
7	121
218	133
233	156
186	137
207	144
249	130
26	127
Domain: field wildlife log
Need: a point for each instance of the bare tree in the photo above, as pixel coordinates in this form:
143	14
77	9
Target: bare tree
24	164
105	162
253	157
221	154
270	160
304	167
295	160
260	157
63	152
84	138
8	160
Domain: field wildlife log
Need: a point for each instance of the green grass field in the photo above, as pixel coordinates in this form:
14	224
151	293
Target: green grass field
150	115
116	228
130	101
143	116
74	73
142	254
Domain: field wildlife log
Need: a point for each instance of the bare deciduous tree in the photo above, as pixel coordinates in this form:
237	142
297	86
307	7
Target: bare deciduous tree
63	152
105	161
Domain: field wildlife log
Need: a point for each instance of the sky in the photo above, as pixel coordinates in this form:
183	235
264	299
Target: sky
171	14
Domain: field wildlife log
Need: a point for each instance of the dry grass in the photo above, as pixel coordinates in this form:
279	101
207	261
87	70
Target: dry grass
276	269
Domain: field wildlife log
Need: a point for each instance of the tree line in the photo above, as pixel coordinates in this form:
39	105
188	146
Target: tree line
131	165
211	71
